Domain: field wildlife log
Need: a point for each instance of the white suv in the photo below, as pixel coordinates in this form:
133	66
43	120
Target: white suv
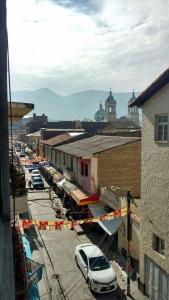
96	268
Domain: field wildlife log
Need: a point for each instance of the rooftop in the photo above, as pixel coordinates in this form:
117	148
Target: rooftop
36	133
152	89
95	144
19	110
60	138
63	129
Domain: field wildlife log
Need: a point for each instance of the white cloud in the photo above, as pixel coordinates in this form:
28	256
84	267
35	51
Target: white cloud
68	49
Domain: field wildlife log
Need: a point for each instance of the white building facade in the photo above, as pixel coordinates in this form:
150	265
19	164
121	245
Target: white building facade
154	256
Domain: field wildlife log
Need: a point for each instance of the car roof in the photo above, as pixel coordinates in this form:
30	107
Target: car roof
37	178
91	250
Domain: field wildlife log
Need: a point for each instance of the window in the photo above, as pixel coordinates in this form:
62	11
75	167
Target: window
86	170
84	257
64	159
71	164
158	244
161	131
82	168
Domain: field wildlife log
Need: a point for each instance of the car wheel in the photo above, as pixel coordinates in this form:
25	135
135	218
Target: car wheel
89	284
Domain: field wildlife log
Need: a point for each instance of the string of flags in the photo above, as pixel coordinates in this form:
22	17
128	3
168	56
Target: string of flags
66	224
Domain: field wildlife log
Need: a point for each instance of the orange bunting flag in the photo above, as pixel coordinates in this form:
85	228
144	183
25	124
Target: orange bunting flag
58	225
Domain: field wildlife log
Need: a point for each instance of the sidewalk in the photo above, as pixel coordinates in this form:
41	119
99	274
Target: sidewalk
122	281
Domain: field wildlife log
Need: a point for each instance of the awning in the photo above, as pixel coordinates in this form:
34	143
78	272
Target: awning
97	210
83	199
57	176
110	227
69	187
61	182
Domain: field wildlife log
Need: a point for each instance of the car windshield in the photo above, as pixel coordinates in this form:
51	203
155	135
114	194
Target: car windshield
98	263
37	180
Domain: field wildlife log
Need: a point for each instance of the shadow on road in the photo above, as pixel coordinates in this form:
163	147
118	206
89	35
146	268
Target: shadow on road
117	295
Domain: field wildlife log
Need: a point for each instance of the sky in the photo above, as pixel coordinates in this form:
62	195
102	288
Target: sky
75	45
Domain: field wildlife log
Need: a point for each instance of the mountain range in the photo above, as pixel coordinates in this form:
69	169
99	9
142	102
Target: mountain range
77	106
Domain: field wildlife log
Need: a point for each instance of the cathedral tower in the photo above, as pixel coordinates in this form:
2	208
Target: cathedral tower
110	108
133	112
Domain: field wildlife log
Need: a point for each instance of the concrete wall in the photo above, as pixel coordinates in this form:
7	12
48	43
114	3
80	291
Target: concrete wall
135	243
155	182
84	181
120	167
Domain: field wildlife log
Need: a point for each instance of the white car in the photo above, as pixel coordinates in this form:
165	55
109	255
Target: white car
35	173
96	268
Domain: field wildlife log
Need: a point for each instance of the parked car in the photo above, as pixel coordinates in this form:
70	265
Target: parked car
37	183
31	168
22	155
35	173
96	268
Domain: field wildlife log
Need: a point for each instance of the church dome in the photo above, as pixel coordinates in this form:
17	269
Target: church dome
110	99
99	114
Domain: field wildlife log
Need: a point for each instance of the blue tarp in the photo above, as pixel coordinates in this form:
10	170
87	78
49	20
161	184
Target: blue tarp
33	288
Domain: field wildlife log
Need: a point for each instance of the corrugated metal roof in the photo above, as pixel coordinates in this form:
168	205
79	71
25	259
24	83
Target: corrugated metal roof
57	139
95	144
36	133
19	110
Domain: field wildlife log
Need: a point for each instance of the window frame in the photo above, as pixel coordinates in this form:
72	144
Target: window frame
82	168
86	170
64	159
84	257
162	124
159	245
71	164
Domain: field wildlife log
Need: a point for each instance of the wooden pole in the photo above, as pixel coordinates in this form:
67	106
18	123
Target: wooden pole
129	238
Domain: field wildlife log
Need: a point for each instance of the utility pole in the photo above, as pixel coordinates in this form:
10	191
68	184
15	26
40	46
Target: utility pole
129	238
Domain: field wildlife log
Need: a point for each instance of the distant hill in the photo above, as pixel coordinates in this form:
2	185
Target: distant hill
77	106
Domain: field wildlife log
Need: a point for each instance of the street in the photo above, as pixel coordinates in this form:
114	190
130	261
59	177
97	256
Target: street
55	249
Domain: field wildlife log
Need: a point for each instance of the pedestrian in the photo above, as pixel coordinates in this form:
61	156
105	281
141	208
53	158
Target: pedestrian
30	184
50	194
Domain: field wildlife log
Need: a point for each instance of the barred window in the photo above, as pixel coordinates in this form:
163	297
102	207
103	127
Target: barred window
158	244
86	170
161	130
82	168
